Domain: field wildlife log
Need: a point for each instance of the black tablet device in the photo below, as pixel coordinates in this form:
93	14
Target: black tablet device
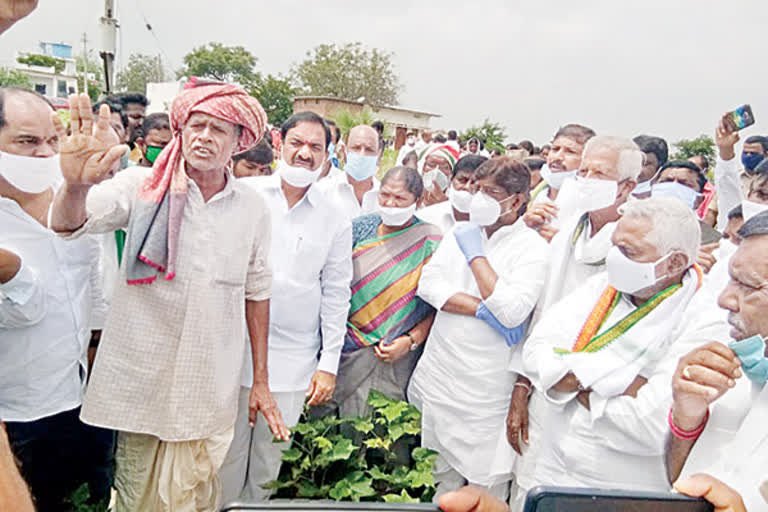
566	499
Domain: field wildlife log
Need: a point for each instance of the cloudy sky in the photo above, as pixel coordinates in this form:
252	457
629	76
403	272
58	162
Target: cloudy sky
665	67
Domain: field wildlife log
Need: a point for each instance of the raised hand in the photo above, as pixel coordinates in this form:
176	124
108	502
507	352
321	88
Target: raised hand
726	136
92	152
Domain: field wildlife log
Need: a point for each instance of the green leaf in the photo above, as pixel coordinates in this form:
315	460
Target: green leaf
292	455
341	490
396	431
278	484
376	399
363	425
421	477
403	497
363	489
394	410
419	454
377	474
307	490
305	429
377	442
306	463
323	443
342	450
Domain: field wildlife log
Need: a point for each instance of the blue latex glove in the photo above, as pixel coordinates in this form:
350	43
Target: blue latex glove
512	335
470	239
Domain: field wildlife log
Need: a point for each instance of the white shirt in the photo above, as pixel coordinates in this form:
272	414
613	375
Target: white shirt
730	191
44	318
311	259
440	215
341	194
404	150
620	443
734	444
462	383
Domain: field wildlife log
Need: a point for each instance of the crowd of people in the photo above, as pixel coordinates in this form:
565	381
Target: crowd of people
176	288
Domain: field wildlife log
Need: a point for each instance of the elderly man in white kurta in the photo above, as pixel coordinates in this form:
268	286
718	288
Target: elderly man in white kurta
601	359
167	371
484	285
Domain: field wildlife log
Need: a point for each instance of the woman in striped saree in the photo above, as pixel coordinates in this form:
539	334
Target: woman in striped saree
387	323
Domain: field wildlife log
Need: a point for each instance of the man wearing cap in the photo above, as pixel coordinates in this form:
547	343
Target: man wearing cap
167	372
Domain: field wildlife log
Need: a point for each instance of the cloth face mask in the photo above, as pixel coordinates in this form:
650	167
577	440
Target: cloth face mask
556	179
676	190
152	153
630	276
393	216
751	352
30	174
642	188
361	167
299	177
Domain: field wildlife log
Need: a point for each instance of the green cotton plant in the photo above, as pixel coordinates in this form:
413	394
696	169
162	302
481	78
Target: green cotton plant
370	458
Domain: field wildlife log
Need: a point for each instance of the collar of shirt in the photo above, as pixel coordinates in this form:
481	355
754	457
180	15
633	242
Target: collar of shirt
341	181
273	184
229	187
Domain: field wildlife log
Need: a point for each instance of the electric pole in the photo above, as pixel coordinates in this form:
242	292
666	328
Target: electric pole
108	43
85	63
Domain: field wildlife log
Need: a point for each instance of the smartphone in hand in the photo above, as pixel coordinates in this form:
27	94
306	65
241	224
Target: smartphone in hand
740	118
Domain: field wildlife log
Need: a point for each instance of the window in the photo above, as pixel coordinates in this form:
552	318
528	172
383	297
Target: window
40	88
62	90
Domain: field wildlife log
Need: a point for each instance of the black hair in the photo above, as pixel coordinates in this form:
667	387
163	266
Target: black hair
704	158
512	146
526	145
577	132
655	145
130	97
468	163
411	154
261	153
758	139
684	164
757	225
5	90
440	139
507	172
334	130
115	108
534	163
156	121
409	176
379	127
736	213
452	135
305	117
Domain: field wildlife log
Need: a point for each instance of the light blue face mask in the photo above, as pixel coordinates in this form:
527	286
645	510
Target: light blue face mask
361	167
331	149
751	352
676	190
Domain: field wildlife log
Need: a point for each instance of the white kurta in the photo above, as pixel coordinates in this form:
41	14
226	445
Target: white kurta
440	215
341	194
462	384
619	443
734	444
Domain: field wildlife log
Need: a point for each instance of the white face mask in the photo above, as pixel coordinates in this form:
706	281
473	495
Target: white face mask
630	276
393	216
30	174
594	194
642	188
485	210
676	190
410	141
460	199
555	180
298	177
436	176
750	208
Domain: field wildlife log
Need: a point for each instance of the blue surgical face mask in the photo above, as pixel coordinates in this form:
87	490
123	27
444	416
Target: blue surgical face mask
751	352
361	167
751	160
676	190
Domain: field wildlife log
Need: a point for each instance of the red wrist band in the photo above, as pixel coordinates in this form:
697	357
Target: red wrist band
687	435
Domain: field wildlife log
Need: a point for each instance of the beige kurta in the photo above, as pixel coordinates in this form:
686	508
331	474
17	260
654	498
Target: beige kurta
170	357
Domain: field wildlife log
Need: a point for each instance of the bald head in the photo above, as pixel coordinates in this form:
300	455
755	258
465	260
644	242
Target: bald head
363	140
26	127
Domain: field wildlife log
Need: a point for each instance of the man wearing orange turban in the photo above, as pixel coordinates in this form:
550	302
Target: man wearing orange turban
167	371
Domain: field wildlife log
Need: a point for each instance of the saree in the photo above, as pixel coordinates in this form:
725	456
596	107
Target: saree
383	307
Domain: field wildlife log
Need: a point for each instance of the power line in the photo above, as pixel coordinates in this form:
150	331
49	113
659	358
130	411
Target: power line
151	30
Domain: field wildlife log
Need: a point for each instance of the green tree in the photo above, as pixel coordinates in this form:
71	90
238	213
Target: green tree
701	145
275	94
141	70
348	72
233	64
346	119
12	78
45	61
491	134
95	76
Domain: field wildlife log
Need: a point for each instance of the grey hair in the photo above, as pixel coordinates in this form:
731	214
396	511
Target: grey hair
675	225
630	161
407	175
756	226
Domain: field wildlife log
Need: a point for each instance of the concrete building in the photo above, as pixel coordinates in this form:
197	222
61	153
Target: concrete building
46	80
399	119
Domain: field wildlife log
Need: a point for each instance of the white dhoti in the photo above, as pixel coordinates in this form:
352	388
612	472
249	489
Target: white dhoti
169	476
